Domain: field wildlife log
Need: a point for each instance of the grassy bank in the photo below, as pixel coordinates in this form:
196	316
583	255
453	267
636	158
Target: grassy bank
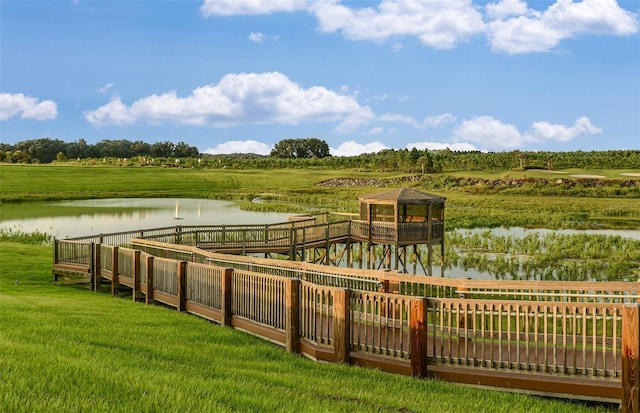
296	190
66	349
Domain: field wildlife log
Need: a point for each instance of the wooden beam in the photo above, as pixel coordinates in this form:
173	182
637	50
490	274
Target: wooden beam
227	278
417	321
292	306
341	325
630	359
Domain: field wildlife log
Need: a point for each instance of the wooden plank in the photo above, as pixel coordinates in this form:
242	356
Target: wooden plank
575	387
204	311
386	364
267	332
630	359
168	299
317	352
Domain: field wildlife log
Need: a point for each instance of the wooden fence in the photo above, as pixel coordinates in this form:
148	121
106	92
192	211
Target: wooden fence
577	339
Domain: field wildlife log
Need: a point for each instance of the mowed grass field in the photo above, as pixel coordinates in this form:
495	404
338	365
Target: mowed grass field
297	190
67	349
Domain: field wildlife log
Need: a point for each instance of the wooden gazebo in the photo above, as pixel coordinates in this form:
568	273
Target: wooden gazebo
402	217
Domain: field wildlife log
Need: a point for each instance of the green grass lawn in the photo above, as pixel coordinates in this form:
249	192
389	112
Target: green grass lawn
66	349
295	190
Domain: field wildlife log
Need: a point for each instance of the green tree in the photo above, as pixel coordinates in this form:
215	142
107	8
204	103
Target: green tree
300	148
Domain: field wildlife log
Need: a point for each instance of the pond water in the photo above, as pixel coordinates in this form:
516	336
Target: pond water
101	216
519	232
90	217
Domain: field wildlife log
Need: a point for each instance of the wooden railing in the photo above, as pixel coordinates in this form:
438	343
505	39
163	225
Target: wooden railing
546	337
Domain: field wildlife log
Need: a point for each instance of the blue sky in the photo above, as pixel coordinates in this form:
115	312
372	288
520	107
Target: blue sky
240	75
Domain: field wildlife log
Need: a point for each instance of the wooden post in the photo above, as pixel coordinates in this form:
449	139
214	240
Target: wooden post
93	267
341	326
97	281
227	278
292	305
293	241
136	274
630	359
55	258
384	284
149	286
182	285
417	321
115	287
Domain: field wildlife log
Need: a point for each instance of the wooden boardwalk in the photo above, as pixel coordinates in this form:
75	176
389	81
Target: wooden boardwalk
572	339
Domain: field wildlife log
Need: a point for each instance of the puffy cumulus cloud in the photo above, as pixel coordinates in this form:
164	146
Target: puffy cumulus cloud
244	98
534	31
510	25
546	131
438	24
27	107
236	7
435	146
492	133
352	148
488	131
248	146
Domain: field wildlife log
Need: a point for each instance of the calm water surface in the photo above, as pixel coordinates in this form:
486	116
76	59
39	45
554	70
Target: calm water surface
90	217
102	216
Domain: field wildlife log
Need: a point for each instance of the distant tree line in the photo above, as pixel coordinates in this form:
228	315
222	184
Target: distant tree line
314	153
46	150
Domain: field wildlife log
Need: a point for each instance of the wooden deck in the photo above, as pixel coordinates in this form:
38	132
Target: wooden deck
579	340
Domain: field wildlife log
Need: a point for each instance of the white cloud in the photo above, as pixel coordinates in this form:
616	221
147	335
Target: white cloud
248	146
236	7
510	26
494	134
506	8
435	121
256	37
352	148
243	98
399	118
375	131
438	24
378	98
546	131
534	31
261	37
432	121
435	146
105	89
14	104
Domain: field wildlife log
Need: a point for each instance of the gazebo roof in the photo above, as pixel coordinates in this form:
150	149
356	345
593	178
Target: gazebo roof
402	196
